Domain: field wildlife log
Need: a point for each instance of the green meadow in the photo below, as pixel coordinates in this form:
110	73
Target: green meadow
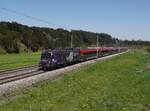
13	61
119	84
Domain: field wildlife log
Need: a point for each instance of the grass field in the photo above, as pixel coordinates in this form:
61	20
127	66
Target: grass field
13	61
120	84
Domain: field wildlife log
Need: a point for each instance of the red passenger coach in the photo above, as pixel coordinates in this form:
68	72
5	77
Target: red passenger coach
86	54
87	51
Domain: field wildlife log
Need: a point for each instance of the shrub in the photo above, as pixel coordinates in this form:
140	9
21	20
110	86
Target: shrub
148	49
2	51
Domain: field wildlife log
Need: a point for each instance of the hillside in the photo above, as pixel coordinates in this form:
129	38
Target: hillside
15	38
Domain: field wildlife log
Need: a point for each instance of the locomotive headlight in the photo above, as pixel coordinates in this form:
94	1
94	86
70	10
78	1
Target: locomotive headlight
54	60
49	62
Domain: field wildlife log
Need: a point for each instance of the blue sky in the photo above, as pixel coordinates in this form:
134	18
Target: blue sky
125	19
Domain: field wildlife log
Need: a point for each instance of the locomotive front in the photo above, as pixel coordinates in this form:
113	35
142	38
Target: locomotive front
50	59
46	58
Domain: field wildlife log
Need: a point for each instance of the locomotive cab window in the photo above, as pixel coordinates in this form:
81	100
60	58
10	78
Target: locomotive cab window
45	55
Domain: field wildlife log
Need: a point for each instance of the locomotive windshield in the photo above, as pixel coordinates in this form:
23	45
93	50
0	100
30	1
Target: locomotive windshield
46	55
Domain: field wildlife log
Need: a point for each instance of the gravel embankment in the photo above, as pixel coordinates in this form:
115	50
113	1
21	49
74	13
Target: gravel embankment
50	75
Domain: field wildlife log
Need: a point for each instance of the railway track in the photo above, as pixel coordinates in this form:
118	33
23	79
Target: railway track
9	83
18	69
12	75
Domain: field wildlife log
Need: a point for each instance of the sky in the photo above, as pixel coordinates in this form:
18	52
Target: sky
124	19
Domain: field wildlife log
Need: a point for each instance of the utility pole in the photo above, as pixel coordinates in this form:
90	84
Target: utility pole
97	43
118	44
71	45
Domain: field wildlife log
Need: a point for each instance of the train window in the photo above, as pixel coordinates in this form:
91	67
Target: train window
46	55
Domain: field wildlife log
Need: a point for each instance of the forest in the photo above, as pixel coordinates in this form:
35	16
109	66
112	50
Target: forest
16	38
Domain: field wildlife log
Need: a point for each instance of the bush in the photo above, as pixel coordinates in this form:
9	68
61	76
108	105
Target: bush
148	49
2	51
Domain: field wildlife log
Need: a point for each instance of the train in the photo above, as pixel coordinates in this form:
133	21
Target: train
56	58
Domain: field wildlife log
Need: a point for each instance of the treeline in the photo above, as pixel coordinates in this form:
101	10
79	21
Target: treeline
15	38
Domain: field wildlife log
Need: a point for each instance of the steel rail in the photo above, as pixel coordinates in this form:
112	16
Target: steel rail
11	78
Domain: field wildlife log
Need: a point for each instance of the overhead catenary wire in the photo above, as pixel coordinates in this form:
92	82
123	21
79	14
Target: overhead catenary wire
32	17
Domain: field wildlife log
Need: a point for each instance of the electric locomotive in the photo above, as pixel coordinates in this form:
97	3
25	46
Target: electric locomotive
51	59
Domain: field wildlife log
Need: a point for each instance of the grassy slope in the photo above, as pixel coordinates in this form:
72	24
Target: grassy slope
121	84
12	61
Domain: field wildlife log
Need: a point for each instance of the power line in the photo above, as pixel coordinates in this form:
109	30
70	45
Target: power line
32	17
